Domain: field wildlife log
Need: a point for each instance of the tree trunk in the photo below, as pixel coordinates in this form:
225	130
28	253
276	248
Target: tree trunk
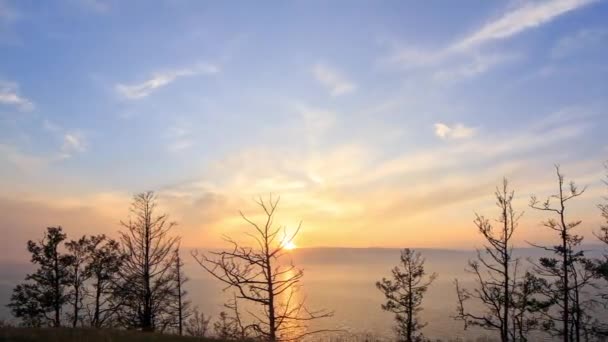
76	299
565	261
271	314
409	314
56	303
179	297
505	259
97	300
147	319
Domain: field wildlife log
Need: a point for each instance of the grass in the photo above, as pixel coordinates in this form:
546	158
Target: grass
92	335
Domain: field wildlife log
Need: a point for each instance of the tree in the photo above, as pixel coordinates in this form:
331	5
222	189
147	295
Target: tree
495	272
28	304
600	266
528	306
78	253
259	275
146	270
106	259
40	300
182	306
404	294
225	328
197	325
568	267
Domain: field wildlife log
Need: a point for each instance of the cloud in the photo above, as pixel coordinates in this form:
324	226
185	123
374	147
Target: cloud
98	6
528	16
342	190
181	138
478	65
73	142
7	13
21	160
457	131
464	58
9	96
161	79
331	79
580	41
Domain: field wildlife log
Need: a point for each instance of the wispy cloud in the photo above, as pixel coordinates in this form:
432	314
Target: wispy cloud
10	96
581	40
333	80
530	15
7	13
98	6
351	186
180	138
73	142
21	160
161	79
457	131
477	65
464	58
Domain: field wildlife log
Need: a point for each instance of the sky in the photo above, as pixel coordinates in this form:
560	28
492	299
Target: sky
384	124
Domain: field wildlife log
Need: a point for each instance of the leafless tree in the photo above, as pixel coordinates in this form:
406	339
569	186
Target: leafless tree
182	306
495	272
404	294
146	271
259	275
198	324
567	268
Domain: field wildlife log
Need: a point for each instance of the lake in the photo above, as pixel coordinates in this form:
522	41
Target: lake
341	280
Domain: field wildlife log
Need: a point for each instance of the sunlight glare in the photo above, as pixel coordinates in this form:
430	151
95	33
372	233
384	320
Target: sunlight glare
289	245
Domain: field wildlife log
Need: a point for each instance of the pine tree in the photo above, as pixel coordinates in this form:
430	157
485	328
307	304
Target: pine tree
40	300
404	294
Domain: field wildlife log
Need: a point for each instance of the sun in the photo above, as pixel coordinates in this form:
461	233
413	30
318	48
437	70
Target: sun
288	245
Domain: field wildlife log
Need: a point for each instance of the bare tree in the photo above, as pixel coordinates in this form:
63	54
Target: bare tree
404	294
259	275
567	268
495	272
182	306
225	327
146	271
198	324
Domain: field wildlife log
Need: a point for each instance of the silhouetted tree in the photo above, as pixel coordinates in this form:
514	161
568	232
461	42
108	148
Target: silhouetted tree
78	253
182	306
106	259
30	305
40	300
528	305
225	327
495	272
404	294
600	266
568	267
259	276
197	325
146	281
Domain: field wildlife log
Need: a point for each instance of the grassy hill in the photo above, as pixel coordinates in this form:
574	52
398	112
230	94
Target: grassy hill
88	335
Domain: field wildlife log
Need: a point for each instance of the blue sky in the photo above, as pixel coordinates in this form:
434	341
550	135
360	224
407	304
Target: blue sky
359	113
